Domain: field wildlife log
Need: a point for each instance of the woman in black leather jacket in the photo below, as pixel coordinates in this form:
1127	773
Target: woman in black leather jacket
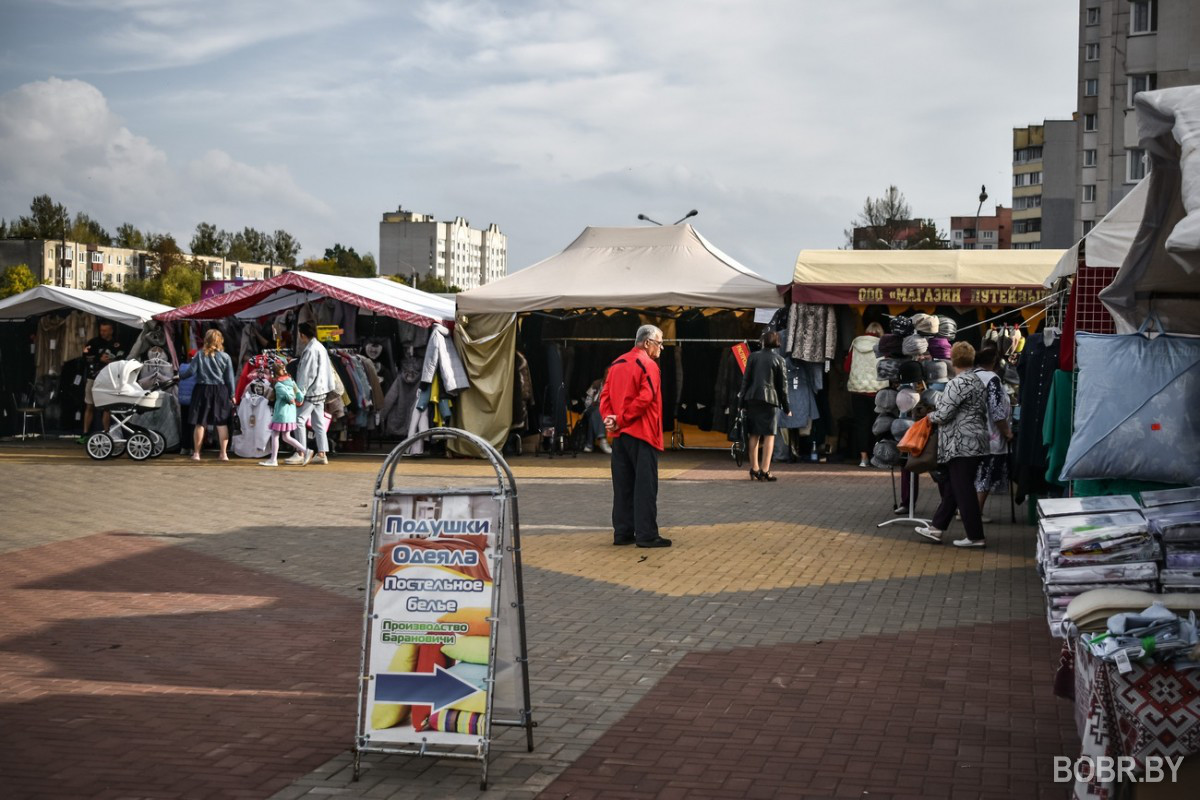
764	392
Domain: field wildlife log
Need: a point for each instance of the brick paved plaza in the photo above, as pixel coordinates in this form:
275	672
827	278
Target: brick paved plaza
179	630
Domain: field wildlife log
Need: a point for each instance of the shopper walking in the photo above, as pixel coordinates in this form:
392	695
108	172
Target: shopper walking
212	399
763	393
863	384
283	419
631	407
314	376
992	475
961	420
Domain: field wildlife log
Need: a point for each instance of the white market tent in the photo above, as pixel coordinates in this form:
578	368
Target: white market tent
123	308
670	266
1107	244
290	289
922	277
1161	273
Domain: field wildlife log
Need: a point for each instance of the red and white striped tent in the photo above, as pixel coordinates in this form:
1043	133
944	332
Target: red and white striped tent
290	289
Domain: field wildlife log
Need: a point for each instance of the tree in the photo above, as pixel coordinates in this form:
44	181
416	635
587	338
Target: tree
88	231
208	241
130	237
341	260
16	279
250	245
178	286
881	221
3	228
164	253
47	220
429	283
285	248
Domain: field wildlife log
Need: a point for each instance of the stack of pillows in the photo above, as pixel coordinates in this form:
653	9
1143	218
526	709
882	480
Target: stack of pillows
915	349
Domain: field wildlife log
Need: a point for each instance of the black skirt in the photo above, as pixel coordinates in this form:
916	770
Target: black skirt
762	419
211	404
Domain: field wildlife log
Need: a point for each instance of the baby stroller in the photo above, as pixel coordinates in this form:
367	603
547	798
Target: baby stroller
117	391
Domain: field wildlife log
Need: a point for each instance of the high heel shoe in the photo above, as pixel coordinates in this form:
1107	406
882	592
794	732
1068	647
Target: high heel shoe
754	474
766	476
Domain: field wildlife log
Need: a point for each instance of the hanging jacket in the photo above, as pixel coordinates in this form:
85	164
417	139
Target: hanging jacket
863	379
441	357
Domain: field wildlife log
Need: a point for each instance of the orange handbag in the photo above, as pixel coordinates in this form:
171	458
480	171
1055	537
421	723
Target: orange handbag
916	438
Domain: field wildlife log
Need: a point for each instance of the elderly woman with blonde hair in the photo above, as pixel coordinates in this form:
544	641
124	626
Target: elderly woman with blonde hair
962	442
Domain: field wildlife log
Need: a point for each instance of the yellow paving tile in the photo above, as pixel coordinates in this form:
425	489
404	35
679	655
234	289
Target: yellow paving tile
728	557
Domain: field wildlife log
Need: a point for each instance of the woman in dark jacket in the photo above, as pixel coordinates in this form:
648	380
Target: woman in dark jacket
764	392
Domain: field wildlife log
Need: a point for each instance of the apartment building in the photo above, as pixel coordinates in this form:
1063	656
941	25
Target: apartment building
90	266
412	244
994	232
1125	47
1043	211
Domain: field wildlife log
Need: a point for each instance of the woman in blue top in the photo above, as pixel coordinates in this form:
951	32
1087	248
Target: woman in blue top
212	399
287	396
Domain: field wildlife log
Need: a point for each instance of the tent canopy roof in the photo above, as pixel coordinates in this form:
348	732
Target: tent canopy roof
290	289
123	308
650	267
942	277
1109	241
1161	272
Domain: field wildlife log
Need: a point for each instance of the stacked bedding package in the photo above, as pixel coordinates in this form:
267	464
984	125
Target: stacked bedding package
1174	517
1087	543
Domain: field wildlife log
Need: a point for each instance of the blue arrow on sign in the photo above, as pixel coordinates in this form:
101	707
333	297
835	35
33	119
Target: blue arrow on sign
439	688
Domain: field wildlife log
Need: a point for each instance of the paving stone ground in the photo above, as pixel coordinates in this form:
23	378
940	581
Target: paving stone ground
179	630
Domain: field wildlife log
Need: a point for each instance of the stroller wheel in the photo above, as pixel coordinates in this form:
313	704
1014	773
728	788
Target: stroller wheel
160	444
99	446
139	446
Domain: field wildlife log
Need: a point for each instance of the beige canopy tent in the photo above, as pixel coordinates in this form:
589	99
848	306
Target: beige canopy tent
651	267
922	277
604	268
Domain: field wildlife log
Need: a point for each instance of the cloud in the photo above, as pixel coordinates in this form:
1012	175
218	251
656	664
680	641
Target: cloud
59	137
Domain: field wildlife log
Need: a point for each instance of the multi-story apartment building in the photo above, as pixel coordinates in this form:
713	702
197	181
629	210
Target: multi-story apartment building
412	244
1125	47
994	232
90	266
1043	212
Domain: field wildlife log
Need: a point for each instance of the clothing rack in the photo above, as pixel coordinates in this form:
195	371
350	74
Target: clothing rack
1045	301
630	341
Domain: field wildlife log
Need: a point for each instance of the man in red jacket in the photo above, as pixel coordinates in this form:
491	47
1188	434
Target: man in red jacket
631	406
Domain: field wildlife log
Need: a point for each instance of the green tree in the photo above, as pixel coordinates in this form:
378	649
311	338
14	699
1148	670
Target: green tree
208	241
348	262
178	286
130	237
429	283
16	279
88	231
164	253
250	245
285	248
47	220
3	228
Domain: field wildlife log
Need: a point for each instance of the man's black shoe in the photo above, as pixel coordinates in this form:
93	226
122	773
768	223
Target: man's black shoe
619	542
659	542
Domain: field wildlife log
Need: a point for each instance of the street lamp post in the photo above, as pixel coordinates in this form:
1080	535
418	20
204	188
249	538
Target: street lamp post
982	197
688	215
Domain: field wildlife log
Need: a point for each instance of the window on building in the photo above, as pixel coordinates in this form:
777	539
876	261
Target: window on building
1143	16
958	235
1135	164
1146	81
1093	16
1089	193
1089	123
1089	158
1088	224
985	235
1035	178
1091	87
1091	52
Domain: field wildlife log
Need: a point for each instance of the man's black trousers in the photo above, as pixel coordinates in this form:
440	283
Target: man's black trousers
635	490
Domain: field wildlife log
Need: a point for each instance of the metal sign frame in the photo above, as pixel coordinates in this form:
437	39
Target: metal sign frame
508	546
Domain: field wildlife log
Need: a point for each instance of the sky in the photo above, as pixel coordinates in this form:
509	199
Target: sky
775	119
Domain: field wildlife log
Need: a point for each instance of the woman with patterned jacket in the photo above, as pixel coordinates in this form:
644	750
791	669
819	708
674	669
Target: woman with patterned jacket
962	441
